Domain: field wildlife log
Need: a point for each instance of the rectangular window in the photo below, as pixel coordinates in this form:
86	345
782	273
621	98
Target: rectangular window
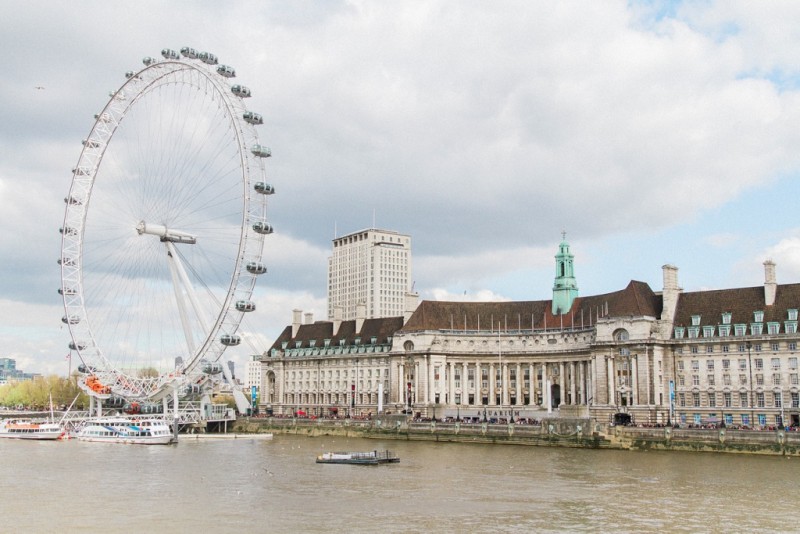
708	331
709	348
743	399
680	380
712	400
759	380
695	380
776	379
760	400
742	379
759	363
694	349
795	399
775	347
681	399
792	314
742	364
679	332
726	364
740	330
726	380
793	379
696	399
710	380
695	320
776	363
694	332
778	400
725	348
710	365
680	365
695	365
726	398
756	329
726	318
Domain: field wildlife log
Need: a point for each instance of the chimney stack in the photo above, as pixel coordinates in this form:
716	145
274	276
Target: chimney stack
338	311
770	283
670	293
309	318
296	315
361	315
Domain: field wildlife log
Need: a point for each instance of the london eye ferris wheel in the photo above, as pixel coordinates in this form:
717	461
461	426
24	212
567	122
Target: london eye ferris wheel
164	227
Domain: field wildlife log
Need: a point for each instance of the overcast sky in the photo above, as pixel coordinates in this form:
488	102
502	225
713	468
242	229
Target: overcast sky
650	132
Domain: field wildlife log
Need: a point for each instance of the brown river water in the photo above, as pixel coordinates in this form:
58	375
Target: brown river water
248	486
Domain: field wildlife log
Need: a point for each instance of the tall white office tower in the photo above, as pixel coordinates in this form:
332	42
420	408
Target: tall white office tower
370	267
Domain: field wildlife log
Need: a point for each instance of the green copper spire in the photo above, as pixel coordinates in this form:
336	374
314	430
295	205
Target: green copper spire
565	288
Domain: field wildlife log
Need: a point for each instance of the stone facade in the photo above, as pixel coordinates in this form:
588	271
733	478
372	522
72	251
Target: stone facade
635	355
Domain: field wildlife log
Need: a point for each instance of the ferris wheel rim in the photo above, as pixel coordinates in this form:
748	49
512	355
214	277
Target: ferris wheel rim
250	241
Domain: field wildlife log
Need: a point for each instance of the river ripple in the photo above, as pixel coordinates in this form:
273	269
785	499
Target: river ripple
275	486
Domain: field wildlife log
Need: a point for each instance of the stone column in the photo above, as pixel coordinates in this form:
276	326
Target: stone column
520	386
545	389
562	382
451	381
635	380
647	400
573	395
610	379
531	384
492	379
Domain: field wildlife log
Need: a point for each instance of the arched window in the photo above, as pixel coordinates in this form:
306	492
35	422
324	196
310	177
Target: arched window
621	335
408	346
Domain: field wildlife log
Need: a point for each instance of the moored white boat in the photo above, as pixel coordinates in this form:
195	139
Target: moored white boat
27	429
135	431
358	458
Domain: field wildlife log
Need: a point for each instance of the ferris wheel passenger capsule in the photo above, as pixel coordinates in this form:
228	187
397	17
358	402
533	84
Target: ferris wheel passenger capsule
168	53
230	340
91	143
240	91
77	346
227	71
191	53
245	305
73	201
149	61
261	151
69	262
255	267
102	117
72	319
252	117
264	188
66	291
208	58
67	230
212	368
82	171
262	228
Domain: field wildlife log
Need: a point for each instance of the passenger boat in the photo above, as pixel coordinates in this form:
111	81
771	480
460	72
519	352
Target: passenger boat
126	430
358	458
27	429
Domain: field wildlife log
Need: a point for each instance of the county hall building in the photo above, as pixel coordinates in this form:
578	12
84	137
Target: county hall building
633	355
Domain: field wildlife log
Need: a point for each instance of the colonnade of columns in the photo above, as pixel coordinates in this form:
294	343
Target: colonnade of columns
429	379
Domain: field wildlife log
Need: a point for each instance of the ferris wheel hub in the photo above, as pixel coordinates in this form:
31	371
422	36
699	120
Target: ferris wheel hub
166	234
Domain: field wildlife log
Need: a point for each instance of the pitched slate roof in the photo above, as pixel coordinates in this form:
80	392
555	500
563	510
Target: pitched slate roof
637	300
740	302
319	331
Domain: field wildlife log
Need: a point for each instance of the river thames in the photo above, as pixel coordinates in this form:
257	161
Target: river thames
275	486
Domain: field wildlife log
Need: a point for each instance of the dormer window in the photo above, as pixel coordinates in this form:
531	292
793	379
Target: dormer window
740	330
758	317
695	320
357	341
724	330
708	331
679	332
773	328
327	343
373	340
792	313
341	342
726	318
284	344
694	331
756	329
298	344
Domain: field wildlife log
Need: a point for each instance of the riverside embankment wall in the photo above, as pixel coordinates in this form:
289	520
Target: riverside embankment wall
555	432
